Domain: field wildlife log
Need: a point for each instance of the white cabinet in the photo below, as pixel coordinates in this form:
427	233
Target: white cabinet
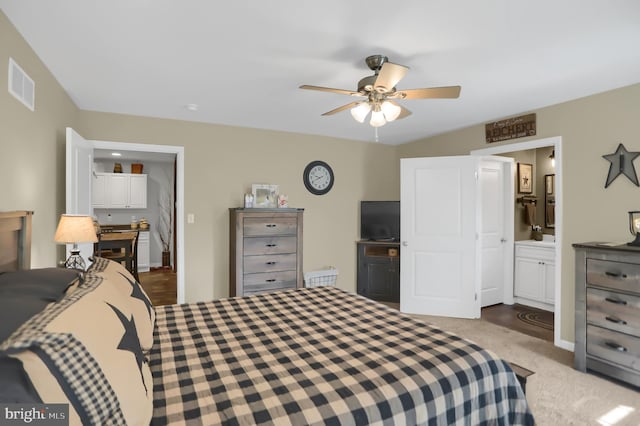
144	261
119	191
535	274
137	191
99	191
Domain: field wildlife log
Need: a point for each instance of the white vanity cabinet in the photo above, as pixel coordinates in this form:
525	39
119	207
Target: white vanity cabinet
119	191
535	274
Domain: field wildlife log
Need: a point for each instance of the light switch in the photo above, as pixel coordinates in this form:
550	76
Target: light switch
191	218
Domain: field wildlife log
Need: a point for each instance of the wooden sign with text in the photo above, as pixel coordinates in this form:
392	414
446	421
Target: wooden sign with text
511	128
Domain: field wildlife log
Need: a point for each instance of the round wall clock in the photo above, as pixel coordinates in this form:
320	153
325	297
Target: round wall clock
318	177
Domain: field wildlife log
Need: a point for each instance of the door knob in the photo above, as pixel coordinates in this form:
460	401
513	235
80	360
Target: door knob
404	243
503	240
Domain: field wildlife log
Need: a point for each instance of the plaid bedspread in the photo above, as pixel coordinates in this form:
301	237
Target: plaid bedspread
322	356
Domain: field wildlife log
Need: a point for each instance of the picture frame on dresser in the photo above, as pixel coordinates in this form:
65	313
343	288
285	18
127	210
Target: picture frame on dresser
264	195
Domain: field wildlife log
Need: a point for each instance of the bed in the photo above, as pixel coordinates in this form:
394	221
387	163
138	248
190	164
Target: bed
307	356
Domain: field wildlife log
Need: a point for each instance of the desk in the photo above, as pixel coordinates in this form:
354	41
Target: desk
119	247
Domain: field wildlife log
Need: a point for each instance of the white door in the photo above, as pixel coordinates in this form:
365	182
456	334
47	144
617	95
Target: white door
439	273
78	181
492	232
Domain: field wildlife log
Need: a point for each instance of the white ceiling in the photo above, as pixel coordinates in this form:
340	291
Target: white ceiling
242	61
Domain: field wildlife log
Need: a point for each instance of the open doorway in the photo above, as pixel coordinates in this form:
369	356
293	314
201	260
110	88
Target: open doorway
155	251
80	194
167	152
523	231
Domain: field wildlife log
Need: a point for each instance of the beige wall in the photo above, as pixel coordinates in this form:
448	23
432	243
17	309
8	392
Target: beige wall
222	162
590	127
33	145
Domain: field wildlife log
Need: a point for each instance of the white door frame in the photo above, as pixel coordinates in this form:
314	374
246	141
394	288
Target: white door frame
179	152
556	142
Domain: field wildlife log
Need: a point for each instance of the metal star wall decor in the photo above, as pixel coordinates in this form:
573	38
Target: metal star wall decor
621	163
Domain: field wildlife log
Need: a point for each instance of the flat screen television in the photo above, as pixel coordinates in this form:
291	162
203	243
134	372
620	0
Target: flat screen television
380	220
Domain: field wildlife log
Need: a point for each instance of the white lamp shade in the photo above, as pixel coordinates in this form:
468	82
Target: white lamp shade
359	112
377	119
75	229
391	111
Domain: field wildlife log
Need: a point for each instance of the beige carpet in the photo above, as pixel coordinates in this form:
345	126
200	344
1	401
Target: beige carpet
557	393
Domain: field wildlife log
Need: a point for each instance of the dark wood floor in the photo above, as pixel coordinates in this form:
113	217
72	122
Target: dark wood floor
160	285
525	319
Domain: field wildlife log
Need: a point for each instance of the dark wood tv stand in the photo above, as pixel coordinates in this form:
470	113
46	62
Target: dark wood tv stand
379	270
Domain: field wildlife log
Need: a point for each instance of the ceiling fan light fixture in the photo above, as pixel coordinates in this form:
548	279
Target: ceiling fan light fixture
391	111
359	112
377	118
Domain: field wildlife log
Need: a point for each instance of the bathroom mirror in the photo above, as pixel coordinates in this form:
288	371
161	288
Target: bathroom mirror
549	201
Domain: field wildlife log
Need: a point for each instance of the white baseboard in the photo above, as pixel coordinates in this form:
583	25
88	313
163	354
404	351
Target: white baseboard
566	345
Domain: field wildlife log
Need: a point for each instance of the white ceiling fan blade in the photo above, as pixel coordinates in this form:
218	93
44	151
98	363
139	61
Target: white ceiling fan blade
342	108
390	74
404	113
329	89
448	92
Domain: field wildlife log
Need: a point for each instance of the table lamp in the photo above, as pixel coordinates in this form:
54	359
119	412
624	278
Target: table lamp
74	229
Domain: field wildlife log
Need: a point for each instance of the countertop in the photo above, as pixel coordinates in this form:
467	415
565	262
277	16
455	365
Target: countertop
119	228
534	243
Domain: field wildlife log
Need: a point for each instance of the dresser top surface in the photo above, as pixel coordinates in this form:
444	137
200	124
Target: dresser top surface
266	210
618	247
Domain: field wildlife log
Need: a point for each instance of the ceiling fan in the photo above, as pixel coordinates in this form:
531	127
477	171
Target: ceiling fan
380	92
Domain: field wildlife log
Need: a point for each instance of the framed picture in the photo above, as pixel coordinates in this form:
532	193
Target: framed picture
549	184
525	178
264	196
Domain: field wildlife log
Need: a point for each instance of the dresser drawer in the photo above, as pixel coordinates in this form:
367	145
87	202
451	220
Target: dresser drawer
262	226
615	275
269	281
615	347
269	245
615	311
269	263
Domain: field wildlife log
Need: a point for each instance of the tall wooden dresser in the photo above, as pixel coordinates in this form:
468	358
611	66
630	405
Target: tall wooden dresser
608	310
265	250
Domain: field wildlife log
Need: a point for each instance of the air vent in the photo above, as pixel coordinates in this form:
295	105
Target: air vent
21	85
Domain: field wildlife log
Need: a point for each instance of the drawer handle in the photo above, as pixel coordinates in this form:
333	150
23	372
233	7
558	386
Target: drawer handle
616	320
271	263
271	245
270	280
616	346
615	274
616	301
271	225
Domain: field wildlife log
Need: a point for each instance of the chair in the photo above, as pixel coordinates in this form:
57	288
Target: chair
121	247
